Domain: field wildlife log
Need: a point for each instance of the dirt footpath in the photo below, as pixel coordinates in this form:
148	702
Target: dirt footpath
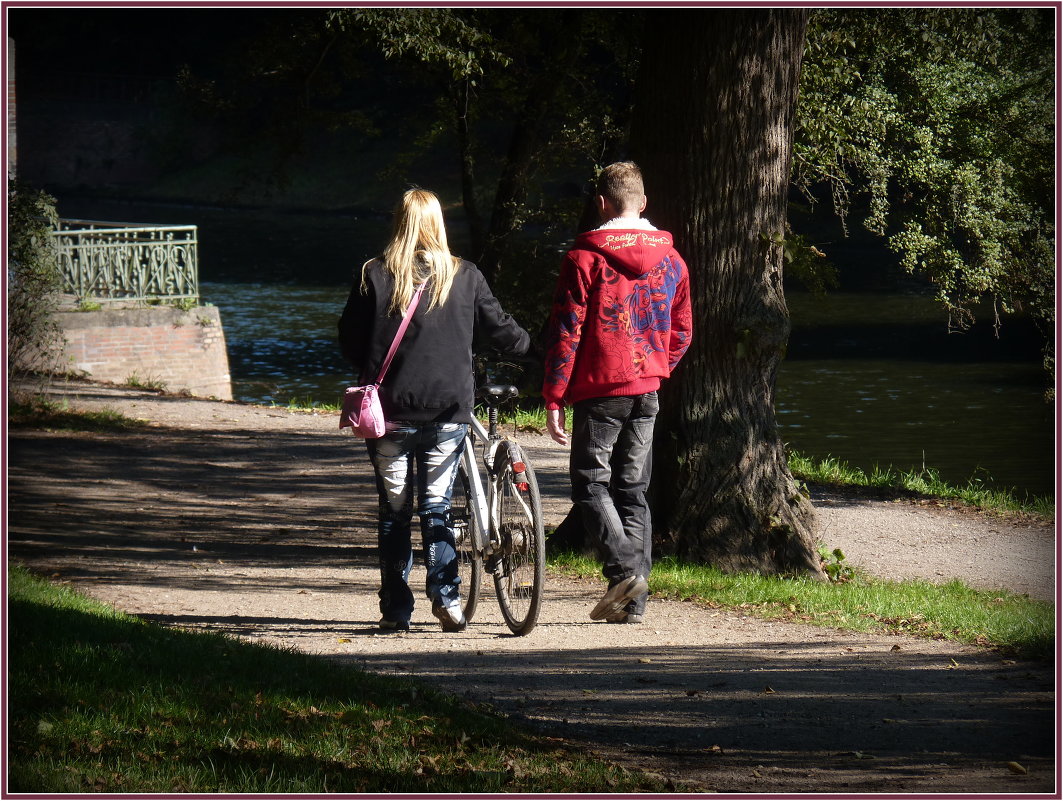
260	522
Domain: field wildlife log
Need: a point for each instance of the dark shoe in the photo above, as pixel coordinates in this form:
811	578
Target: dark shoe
450	615
624	617
617	596
393	625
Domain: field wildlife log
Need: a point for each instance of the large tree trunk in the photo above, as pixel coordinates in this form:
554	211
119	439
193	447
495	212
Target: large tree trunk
712	131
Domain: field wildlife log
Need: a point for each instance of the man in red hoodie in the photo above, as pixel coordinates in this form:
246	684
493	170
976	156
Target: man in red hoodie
620	323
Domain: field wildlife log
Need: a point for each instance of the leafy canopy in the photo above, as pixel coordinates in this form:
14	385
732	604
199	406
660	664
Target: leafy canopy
942	121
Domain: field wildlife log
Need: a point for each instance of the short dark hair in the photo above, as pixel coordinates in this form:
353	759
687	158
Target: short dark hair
621	184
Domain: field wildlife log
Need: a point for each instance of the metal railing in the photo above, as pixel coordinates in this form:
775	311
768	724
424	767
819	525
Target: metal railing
127	262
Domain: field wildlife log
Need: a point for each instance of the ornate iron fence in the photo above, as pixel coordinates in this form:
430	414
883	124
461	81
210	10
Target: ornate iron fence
126	262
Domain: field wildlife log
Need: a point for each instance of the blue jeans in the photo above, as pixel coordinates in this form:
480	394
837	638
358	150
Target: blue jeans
610	468
422	457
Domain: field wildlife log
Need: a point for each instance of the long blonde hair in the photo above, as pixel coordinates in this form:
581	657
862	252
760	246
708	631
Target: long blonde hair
418	251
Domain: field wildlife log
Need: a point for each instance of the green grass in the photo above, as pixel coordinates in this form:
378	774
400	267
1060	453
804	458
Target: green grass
927	482
103	702
1013	623
308	404
532	417
148	383
56	416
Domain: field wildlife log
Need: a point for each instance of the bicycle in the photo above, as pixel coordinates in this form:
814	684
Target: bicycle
498	520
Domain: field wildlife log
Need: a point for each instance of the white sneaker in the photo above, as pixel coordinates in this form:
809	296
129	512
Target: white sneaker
450	615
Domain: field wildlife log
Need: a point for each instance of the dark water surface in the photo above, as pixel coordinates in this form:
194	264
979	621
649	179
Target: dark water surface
869	379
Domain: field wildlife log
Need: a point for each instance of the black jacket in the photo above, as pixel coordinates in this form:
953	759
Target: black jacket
431	377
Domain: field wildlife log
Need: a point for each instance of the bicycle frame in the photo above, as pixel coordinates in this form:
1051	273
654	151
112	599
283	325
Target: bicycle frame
483	505
501	520
479	503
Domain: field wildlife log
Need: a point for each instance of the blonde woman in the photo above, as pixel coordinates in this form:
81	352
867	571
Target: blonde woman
427	395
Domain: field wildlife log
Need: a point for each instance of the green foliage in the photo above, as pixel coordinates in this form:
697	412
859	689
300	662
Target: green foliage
533	100
34	338
941	121
102	702
438	36
184	304
835	566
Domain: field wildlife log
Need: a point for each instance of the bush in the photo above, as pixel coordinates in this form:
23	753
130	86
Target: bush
34	338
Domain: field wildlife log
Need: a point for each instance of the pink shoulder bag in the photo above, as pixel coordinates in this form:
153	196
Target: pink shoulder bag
361	411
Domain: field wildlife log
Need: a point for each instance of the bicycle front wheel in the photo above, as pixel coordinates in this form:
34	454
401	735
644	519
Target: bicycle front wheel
470	566
519	562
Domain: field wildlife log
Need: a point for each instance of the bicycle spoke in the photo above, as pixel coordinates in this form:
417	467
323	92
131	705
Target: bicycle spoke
519	564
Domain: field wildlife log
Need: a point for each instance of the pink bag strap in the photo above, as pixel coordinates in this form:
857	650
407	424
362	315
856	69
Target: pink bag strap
402	330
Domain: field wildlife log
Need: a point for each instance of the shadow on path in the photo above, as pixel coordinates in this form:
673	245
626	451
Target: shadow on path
268	535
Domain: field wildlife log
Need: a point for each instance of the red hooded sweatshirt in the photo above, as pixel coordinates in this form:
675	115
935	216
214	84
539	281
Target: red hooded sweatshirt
621	315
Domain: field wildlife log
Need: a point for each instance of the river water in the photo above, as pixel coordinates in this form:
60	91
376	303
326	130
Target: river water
870	378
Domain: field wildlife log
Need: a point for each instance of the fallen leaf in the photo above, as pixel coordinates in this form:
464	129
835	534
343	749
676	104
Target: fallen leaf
645	661
895	648
1015	767
768	690
345	639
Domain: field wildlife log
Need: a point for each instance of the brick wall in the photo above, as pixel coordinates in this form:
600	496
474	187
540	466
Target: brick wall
184	351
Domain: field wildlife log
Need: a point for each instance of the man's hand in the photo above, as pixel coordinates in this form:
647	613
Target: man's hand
555	424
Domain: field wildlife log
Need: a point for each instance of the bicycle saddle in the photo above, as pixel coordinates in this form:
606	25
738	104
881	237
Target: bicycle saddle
498	393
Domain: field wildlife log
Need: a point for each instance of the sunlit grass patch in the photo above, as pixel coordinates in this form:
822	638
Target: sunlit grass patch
308	404
926	482
103	702
953	611
58	416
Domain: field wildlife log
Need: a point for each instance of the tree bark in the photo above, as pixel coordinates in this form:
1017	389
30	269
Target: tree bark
712	131
461	100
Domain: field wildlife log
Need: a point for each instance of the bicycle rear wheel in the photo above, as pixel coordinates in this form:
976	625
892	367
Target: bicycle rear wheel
519	562
470	565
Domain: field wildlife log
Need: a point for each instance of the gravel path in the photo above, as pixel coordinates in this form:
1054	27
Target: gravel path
259	522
